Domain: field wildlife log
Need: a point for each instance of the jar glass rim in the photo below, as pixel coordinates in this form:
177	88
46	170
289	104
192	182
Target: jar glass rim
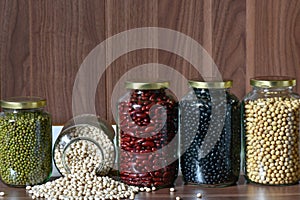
147	85
273	81
90	120
210	84
23	102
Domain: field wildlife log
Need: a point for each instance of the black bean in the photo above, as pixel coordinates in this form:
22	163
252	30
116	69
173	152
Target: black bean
220	165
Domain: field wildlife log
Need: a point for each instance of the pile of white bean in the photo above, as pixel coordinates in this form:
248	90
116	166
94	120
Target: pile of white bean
84	186
84	154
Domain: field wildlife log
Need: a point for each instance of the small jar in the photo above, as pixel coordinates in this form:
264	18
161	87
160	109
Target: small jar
271	132
210	134
26	141
85	144
148	141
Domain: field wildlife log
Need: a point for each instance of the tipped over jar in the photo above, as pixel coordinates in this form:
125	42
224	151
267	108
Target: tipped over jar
85	145
210	134
271	125
148	141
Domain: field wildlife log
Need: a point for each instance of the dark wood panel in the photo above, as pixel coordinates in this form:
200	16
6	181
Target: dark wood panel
62	34
188	18
123	16
15	60
229	41
185	18
274	38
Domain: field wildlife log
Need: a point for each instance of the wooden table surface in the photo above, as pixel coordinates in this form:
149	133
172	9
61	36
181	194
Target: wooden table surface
240	191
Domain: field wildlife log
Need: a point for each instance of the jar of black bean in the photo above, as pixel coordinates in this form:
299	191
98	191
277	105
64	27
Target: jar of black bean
85	145
26	141
271	126
148	141
210	134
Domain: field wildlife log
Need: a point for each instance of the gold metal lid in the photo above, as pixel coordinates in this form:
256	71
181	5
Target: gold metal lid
146	85
210	84
272	81
23	102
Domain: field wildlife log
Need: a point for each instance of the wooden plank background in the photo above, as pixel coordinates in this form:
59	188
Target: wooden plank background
43	43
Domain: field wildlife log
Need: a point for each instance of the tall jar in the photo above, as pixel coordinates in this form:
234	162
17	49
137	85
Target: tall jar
85	144
147	128
210	134
271	131
26	141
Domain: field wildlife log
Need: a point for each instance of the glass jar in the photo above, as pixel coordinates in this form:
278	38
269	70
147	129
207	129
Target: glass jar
26	141
271	132
210	134
85	144
148	141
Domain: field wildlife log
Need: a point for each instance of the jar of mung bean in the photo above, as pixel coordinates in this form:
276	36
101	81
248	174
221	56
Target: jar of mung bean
148	141
85	145
26	141
271	123
210	134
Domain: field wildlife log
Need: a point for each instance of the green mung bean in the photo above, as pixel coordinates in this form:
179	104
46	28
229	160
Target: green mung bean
25	150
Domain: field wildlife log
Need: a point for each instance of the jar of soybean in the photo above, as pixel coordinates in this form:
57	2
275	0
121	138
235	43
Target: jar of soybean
210	134
271	125
85	145
26	141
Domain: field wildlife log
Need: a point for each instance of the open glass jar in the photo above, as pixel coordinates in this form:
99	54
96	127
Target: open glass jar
147	128
85	145
26	141
210	134
271	124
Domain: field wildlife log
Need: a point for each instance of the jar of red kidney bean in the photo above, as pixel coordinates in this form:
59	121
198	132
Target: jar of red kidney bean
210	134
148	141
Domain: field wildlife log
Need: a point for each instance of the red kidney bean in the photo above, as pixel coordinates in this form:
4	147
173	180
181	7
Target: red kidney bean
144	175
144	98
133	175
149	129
152	97
142	131
148	144
139	141
141	115
157	179
158	174
167	174
126	139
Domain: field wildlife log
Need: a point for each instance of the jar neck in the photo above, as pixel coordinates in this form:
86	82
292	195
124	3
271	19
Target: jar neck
22	110
208	91
146	91
212	89
277	90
